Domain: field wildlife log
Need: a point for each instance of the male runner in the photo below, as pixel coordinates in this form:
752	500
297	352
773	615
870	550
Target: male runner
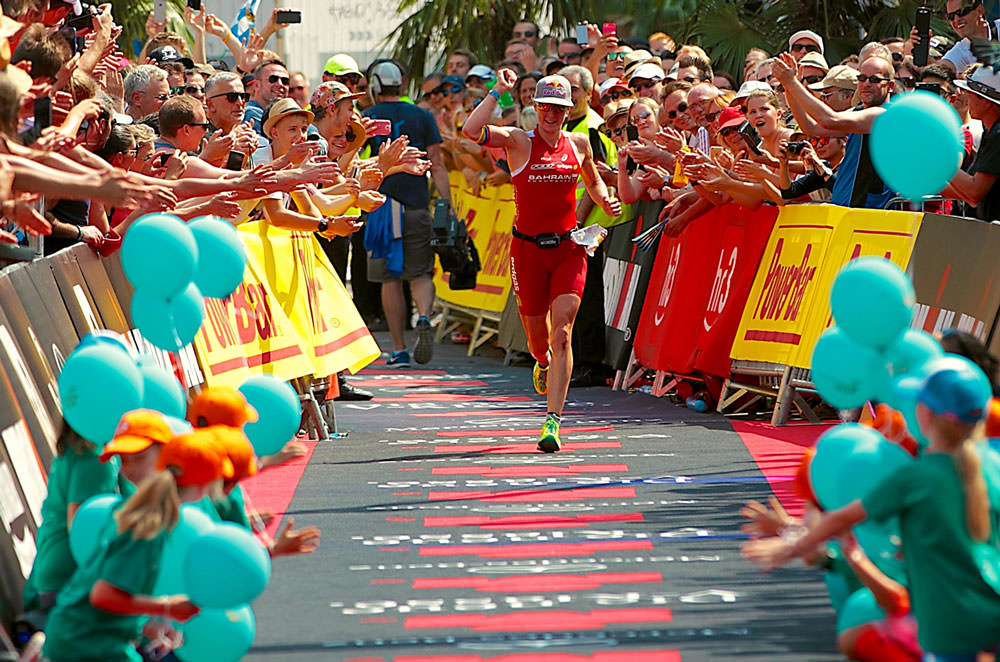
547	268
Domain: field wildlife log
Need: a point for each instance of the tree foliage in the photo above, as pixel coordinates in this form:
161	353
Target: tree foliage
132	15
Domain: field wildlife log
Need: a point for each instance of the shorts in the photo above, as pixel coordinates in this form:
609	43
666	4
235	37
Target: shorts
418	254
539	275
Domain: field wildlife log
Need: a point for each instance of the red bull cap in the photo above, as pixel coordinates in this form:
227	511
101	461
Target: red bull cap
554	90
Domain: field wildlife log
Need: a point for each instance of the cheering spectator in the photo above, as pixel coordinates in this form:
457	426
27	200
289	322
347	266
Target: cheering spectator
978	187
858	184
271	84
969	21
146	89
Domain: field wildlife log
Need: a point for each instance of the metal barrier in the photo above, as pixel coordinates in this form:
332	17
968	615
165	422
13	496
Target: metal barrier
781	382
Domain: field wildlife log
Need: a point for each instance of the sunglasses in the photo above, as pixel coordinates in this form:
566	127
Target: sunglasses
818	141
808	48
620	55
438	90
897	57
875	80
907	82
615	95
641	116
193	90
526	34
348	78
729	130
162	97
827	95
233	97
614	133
274	78
962	11
711	116
648	85
809	80
681	108
203	125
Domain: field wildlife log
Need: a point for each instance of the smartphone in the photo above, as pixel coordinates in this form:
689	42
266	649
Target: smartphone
582	38
632	133
85	21
290	16
43	112
923	36
80	45
194	4
609	28
383	128
69	34
750	136
159	10
235	160
161	160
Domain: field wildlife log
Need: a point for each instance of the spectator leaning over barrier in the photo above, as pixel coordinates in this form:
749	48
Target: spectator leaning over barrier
858	185
271	84
146	89
225	105
978	187
409	201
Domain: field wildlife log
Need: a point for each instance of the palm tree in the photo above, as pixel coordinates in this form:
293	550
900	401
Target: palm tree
132	15
727	29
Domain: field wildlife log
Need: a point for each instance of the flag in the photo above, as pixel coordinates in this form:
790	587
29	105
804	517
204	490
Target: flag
244	24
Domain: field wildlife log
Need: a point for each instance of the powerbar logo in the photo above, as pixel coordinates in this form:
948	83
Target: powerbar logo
784	287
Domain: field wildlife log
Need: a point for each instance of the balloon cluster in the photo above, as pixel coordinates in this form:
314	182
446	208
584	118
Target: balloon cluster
172	265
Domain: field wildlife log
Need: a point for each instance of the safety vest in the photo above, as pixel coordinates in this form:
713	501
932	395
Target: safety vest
597	215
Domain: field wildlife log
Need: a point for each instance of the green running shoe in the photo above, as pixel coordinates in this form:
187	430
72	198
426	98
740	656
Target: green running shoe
540	378
549	441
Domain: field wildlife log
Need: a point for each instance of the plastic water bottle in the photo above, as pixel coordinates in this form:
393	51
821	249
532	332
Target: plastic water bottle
696	404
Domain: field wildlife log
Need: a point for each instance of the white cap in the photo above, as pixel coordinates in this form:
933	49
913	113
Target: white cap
984	82
554	90
609	84
751	86
648	71
807	34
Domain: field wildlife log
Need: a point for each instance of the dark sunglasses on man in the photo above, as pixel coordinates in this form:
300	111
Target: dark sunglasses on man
808	48
962	12
274	78
233	97
350	79
681	108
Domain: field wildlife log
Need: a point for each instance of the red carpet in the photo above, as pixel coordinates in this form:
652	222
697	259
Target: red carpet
777	452
274	488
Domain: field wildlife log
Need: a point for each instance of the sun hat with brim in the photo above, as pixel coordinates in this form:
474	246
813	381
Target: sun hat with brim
195	459
281	109
955	387
331	92
137	430
841	76
984	82
731	116
751	86
814	60
554	90
220	405
237	448
341	64
806	34
616	108
356	135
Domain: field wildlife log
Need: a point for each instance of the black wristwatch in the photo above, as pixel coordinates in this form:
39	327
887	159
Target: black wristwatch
323	226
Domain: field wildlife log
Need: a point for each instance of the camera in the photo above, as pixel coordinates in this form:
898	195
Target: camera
796	147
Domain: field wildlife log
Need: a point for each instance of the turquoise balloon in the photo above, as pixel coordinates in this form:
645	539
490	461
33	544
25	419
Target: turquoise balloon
160	389
225	568
220	274
193	522
881	544
278	410
859	609
872	301
105	337
844	372
832	451
904	399
867	465
159	255
218	635
911	351
169	324
88	524
97	385
916	144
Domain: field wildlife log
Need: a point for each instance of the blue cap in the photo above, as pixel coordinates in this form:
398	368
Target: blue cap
955	386
453	80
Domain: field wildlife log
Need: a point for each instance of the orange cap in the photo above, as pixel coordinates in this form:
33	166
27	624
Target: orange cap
801	484
220	405
196	458
993	418
237	447
138	430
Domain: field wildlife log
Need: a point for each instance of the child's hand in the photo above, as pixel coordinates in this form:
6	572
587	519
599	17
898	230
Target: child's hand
178	608
302	541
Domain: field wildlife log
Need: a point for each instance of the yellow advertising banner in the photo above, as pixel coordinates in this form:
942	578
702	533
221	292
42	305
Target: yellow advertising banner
787	284
311	295
246	334
489	217
861	232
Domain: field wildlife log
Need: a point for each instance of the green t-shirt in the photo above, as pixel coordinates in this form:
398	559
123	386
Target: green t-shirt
233	508
78	631
957	611
73	478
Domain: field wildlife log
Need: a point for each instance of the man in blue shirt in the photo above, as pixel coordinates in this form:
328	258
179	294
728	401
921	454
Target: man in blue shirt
270	84
405	218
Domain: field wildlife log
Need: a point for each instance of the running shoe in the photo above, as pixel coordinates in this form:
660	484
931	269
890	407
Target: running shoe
540	378
400	359
549	442
423	351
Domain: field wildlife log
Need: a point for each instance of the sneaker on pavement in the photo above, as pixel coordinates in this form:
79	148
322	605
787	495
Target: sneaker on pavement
540	378
423	350
549	441
400	359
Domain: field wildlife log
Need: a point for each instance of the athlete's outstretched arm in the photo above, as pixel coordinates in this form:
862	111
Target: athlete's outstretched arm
475	124
592	179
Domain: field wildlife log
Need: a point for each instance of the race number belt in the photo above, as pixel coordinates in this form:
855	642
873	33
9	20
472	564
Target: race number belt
547	240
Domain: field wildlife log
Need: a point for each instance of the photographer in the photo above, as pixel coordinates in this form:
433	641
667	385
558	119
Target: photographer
821	156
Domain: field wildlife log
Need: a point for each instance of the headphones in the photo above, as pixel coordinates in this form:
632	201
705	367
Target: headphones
380	68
